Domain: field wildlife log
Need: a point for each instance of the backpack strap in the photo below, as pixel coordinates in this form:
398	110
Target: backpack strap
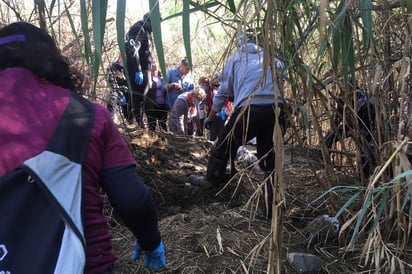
72	134
43	200
58	170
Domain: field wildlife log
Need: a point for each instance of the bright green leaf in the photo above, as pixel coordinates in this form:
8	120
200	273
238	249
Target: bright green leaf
99	11
155	18
186	30
85	29
232	6
347	204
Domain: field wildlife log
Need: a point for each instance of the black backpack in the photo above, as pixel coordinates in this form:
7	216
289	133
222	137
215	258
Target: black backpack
41	212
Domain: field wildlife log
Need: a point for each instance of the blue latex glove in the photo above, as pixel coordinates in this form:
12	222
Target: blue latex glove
153	259
208	123
138	77
221	115
123	101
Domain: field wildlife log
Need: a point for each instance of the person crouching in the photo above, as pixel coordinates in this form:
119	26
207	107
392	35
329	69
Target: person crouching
183	110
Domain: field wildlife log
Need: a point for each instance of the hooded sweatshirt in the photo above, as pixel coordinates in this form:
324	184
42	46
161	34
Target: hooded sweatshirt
241	76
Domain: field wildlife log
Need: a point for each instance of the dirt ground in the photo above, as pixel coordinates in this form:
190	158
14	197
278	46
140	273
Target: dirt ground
222	230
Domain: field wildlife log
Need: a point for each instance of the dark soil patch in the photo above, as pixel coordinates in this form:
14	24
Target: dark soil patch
223	231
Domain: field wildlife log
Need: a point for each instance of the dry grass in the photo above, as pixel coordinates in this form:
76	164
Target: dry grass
205	232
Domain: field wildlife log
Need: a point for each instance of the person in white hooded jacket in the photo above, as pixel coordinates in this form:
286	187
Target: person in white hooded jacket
242	80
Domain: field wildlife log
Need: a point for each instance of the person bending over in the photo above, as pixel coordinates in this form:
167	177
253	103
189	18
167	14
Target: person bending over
240	80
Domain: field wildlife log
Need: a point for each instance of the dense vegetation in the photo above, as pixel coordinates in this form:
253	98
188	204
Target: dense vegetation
327	47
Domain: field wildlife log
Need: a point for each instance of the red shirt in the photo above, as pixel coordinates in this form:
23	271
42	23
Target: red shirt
30	111
209	98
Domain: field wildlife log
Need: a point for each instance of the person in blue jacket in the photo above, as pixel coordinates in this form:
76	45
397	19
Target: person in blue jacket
179	80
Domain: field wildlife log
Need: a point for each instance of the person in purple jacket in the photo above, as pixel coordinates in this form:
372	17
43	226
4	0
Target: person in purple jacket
31	110
156	108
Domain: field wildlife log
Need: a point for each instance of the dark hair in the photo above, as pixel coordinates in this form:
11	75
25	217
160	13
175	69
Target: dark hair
147	23
184	62
146	16
204	80
25	45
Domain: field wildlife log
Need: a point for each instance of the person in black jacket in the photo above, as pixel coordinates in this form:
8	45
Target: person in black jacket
139	62
117	80
344	124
